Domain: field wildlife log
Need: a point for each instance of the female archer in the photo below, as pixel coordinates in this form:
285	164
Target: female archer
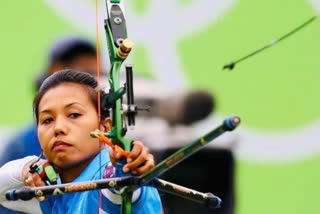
66	112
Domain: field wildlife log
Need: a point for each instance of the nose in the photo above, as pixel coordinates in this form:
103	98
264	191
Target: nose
60	127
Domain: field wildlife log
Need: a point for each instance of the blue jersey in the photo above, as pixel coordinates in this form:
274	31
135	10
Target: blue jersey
88	201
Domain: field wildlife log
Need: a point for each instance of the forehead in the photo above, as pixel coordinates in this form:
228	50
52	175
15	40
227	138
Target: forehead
64	94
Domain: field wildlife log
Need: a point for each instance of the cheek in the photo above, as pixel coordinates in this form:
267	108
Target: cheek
87	147
83	132
43	140
90	123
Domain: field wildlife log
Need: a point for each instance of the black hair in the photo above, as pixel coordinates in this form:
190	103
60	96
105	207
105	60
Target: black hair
68	49
67	76
65	51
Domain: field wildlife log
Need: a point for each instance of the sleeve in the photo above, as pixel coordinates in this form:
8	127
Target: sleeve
11	178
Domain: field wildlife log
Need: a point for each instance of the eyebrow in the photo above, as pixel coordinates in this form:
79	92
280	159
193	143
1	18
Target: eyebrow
67	106
74	103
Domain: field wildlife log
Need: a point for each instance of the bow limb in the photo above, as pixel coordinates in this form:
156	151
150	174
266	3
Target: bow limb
119	47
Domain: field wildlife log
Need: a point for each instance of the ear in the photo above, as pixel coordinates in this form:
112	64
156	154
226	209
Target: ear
106	124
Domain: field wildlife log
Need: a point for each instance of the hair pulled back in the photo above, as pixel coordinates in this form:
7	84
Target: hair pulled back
66	76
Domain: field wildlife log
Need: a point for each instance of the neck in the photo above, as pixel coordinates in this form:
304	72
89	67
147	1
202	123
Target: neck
68	174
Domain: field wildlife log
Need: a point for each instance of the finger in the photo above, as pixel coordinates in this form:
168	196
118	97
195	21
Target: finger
116	154
149	164
42	198
112	154
136	150
26	173
28	181
143	169
118	151
138	161
38	182
113	158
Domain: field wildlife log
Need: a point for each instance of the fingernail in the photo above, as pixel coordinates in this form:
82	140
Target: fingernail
125	169
118	155
41	198
129	160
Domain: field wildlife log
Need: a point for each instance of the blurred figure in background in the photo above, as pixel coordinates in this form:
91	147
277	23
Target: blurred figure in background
70	52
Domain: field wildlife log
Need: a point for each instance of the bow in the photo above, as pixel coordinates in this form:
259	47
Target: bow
119	46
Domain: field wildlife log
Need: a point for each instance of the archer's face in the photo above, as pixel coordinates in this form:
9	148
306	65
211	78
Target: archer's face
66	118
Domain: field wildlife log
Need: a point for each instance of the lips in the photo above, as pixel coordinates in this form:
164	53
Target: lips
60	145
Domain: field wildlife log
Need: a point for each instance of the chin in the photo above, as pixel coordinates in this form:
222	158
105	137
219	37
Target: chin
64	164
63	161
68	162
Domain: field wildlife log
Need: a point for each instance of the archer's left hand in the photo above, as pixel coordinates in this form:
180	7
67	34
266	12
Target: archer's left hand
139	161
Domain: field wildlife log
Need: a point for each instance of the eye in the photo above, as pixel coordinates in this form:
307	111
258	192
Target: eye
47	121
74	115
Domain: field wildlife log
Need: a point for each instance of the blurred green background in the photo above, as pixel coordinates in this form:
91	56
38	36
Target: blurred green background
275	91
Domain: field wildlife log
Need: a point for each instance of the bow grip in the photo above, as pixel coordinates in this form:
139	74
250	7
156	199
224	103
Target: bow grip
123	161
119	166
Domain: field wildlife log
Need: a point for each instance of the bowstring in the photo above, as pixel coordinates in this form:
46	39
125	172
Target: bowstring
98	93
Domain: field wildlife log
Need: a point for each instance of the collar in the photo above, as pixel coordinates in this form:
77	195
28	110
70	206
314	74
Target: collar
95	168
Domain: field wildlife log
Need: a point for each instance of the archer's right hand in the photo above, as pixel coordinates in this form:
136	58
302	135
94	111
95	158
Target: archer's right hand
33	180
